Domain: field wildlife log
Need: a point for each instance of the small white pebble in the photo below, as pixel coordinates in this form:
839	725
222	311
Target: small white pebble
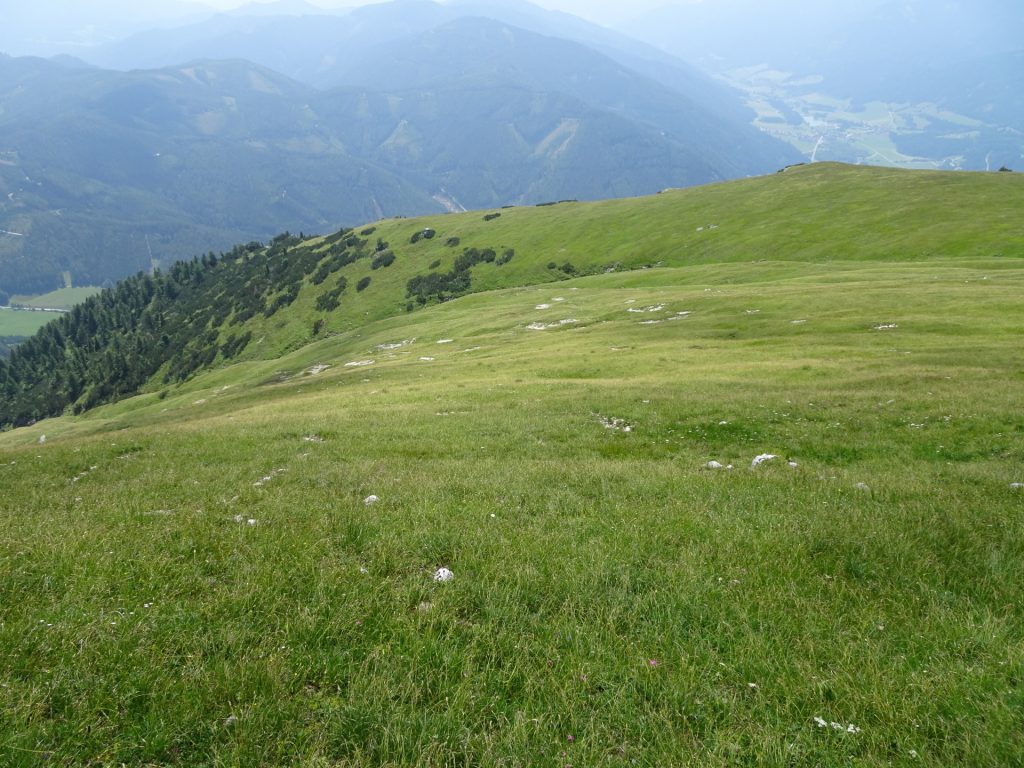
371	499
793	464
761	459
1017	486
364	570
714	465
251	521
863	487
443	574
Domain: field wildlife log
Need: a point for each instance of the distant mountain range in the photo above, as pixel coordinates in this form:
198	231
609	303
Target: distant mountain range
413	108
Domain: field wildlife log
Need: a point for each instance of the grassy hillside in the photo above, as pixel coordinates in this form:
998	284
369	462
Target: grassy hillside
823	214
194	576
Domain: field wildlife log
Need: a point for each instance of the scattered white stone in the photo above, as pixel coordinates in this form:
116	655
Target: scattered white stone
651	322
42	439
543	306
559	298
445	341
426	359
680	315
887	327
753	311
761	459
443	574
863	487
200	402
396	345
371	499
364	570
251	521
614	423
714	465
822	723
793	465
313	439
1017	485
267	478
797	322
752	686
318	369
549	326
656	308
230	721
359	363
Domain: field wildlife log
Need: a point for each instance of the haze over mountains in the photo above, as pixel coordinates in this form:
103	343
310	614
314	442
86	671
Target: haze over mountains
912	83
407	108
174	131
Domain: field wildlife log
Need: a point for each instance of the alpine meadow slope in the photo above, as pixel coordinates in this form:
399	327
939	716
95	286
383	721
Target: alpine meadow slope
244	566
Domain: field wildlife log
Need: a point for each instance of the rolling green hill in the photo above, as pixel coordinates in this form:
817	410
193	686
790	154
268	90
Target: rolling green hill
245	566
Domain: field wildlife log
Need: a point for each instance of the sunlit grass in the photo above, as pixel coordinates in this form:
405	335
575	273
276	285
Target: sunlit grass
614	602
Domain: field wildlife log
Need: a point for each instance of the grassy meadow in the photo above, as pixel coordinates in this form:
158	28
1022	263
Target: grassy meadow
194	576
23	322
63	298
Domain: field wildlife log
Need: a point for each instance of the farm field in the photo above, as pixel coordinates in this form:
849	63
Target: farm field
20	322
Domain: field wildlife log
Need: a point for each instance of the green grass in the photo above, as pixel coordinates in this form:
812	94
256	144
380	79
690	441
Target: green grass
18	322
64	298
615	602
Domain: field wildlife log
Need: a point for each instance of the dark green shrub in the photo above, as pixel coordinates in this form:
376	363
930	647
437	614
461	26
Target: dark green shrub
451	242
362	284
491	216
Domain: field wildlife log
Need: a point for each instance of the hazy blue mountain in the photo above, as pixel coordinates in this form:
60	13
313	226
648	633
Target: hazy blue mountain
320	50
170	163
474	55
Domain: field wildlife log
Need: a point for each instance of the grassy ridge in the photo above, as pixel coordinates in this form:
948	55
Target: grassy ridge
614	601
821	214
